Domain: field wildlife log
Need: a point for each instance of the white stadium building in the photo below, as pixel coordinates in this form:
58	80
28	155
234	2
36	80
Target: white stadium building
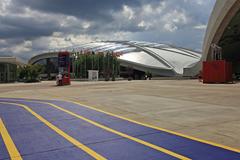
158	59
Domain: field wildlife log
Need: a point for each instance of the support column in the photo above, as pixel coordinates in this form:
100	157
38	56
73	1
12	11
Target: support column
7	73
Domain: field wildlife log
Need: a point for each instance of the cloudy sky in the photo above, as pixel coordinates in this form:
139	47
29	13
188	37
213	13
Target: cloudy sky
28	27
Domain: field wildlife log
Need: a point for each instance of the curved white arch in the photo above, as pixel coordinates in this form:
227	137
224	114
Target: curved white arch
222	14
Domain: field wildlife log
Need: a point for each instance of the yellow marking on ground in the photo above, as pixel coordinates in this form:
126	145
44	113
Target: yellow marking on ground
60	132
158	128
150	126
11	148
119	133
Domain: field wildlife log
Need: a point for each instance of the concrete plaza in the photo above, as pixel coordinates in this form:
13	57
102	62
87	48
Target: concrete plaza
206	111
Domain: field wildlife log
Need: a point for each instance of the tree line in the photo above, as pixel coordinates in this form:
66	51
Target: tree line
106	63
29	73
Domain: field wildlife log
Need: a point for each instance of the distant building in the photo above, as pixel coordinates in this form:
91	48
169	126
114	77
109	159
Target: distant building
8	69
141	57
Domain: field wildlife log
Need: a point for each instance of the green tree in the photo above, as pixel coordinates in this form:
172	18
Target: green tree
106	63
29	73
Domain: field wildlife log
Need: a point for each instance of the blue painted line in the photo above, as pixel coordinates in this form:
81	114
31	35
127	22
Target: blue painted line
107	143
110	121
33	137
95	137
3	150
192	149
61	154
110	145
16	116
124	149
189	148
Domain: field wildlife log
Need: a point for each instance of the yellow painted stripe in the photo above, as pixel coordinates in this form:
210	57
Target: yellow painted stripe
151	126
60	132
119	133
158	128
12	149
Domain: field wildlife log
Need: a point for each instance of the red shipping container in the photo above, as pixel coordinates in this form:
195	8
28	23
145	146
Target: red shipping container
218	71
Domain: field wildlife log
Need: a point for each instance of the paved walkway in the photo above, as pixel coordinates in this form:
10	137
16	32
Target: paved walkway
53	129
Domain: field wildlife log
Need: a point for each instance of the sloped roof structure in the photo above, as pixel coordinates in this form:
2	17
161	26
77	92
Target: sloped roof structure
159	59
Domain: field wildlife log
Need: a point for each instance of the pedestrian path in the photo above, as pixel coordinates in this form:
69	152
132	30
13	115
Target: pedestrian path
54	129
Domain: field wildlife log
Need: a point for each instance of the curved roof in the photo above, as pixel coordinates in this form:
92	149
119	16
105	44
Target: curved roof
160	59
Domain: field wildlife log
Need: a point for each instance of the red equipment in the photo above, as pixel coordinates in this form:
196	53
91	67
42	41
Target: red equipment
64	69
217	71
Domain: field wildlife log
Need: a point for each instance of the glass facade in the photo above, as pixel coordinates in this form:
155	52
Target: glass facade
8	72
50	64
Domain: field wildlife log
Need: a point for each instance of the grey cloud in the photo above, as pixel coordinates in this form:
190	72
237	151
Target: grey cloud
17	27
88	9
103	19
